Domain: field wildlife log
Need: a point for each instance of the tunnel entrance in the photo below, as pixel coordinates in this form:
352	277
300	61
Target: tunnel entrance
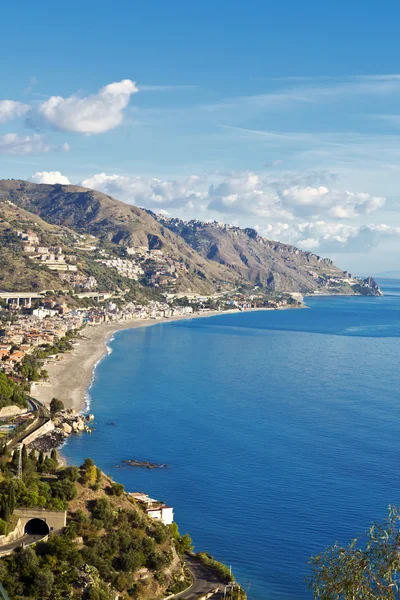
36	527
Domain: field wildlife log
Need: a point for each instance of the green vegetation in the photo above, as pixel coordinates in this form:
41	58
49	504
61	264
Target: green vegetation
107	543
56	405
12	392
368	567
219	568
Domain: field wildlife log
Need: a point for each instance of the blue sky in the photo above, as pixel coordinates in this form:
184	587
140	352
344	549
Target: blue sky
284	117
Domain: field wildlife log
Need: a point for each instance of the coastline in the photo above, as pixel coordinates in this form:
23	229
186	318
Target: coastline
71	375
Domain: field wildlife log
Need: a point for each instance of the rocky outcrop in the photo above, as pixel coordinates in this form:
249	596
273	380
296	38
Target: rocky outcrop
64	424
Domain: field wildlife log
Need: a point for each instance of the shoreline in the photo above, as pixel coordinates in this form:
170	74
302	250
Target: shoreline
71	376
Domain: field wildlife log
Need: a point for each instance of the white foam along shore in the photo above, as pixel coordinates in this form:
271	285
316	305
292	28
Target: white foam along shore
72	374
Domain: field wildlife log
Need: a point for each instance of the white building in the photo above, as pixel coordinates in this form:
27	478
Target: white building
163	513
155	509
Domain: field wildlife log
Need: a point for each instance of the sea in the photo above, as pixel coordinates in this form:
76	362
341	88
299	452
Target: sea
280	429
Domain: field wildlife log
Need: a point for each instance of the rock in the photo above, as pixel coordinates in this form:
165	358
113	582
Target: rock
67	428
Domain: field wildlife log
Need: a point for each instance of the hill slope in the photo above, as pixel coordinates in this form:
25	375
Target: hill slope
88	211
207	256
273	265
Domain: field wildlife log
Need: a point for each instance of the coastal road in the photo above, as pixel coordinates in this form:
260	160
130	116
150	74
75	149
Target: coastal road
204	581
25	540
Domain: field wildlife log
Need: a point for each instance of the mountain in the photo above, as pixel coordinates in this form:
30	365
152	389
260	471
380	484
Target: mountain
273	265
186	256
90	212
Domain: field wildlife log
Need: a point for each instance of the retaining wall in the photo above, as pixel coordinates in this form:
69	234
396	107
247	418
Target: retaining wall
48	426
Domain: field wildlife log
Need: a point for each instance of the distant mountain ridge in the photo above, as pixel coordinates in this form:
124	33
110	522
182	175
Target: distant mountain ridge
213	256
267	263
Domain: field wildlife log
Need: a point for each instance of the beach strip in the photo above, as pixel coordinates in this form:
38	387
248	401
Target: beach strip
71	374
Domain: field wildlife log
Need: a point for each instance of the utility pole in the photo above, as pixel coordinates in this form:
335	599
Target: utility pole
19	448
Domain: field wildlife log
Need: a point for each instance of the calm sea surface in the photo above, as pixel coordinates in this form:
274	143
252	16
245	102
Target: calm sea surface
281	429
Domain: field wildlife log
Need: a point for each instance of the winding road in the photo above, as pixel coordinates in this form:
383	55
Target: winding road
204	581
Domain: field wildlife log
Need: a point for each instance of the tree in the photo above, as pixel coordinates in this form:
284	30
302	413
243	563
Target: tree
131	561
24	457
44	581
88	462
102	509
368	568
117	489
71	473
56	405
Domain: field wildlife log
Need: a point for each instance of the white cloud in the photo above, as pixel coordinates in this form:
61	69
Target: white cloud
311	91
243	194
12	143
49	177
91	114
147	191
328	237
339	204
10	110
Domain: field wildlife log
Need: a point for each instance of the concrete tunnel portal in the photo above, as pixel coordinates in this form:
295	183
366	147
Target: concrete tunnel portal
36	527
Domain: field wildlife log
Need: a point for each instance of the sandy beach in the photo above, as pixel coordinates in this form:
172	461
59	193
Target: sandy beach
71	375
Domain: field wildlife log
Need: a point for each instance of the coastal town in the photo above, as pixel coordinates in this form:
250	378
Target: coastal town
42	331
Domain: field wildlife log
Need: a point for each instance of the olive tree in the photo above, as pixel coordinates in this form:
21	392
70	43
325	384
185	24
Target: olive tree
368	568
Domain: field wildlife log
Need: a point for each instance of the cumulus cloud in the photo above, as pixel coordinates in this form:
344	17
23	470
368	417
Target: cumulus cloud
243	194
329	237
49	177
147	191
265	196
91	114
334	203
12	143
313	217
10	110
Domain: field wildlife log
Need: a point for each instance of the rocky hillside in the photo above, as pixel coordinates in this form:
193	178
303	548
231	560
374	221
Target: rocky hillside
275	266
205	257
88	211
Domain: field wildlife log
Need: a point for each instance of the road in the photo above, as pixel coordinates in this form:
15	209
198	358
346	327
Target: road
25	540
43	415
205	581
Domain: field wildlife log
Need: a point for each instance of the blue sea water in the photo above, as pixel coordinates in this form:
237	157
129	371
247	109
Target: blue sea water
281	429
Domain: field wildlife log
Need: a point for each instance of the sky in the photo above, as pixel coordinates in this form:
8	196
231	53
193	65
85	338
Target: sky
283	117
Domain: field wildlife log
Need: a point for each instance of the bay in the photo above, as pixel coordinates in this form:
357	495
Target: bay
281	429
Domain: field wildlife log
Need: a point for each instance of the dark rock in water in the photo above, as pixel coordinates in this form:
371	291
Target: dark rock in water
145	463
110	423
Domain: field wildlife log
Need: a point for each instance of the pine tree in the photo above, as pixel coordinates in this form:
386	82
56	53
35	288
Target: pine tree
24	457
11	498
41	457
